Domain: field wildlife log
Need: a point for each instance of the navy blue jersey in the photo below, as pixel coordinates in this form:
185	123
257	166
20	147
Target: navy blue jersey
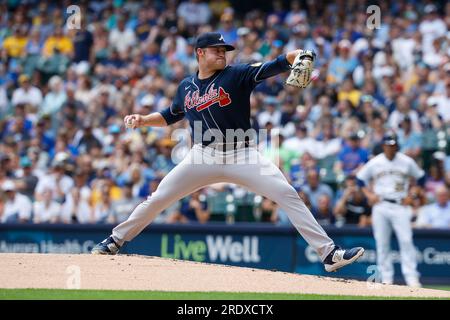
221	101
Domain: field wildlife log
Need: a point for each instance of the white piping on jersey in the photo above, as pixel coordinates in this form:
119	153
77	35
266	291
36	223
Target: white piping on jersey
175	114
208	108
206	90
207	123
256	75
195	84
215	122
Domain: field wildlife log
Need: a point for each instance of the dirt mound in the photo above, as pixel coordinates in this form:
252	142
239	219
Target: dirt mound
130	272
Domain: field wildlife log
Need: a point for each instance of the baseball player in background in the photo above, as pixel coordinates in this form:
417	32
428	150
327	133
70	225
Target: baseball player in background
385	180
216	100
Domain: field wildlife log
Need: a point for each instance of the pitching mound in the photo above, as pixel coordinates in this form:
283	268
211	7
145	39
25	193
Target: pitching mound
129	272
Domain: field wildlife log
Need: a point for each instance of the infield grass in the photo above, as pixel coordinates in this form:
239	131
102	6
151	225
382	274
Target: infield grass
60	294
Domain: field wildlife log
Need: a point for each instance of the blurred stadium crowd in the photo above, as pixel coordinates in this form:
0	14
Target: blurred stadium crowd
66	157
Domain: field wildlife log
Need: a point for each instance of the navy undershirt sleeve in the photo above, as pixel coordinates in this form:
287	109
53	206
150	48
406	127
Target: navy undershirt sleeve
175	112
171	117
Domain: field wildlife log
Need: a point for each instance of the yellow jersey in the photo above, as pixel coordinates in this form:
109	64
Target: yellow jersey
15	46
63	44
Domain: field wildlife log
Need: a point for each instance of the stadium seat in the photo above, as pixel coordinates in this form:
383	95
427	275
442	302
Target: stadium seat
327	174
219	206
245	208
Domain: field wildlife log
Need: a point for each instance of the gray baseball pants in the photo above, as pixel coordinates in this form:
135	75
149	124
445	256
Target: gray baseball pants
246	167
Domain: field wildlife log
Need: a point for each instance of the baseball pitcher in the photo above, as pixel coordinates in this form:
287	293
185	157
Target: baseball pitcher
216	100
390	173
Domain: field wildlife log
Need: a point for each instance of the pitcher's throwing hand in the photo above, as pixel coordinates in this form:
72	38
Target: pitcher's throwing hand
133	121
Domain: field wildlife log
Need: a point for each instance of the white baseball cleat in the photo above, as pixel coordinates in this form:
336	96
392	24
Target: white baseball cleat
339	258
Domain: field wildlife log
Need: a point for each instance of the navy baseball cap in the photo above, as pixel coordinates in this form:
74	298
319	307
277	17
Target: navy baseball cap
212	39
389	139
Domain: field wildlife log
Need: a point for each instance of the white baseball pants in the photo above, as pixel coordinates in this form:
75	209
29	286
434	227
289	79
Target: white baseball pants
247	167
388	217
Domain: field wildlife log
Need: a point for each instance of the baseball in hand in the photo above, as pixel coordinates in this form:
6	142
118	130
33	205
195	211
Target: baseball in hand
129	122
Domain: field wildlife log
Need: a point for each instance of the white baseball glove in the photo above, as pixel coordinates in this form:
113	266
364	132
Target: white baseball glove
302	69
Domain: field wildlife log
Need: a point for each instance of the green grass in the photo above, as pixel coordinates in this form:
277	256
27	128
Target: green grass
58	294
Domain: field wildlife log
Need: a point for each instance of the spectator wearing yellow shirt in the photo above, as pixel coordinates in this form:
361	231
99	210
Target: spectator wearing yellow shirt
58	41
349	92
15	44
105	181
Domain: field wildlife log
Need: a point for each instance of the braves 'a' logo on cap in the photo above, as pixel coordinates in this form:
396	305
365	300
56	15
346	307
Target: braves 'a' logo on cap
210	98
221	38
